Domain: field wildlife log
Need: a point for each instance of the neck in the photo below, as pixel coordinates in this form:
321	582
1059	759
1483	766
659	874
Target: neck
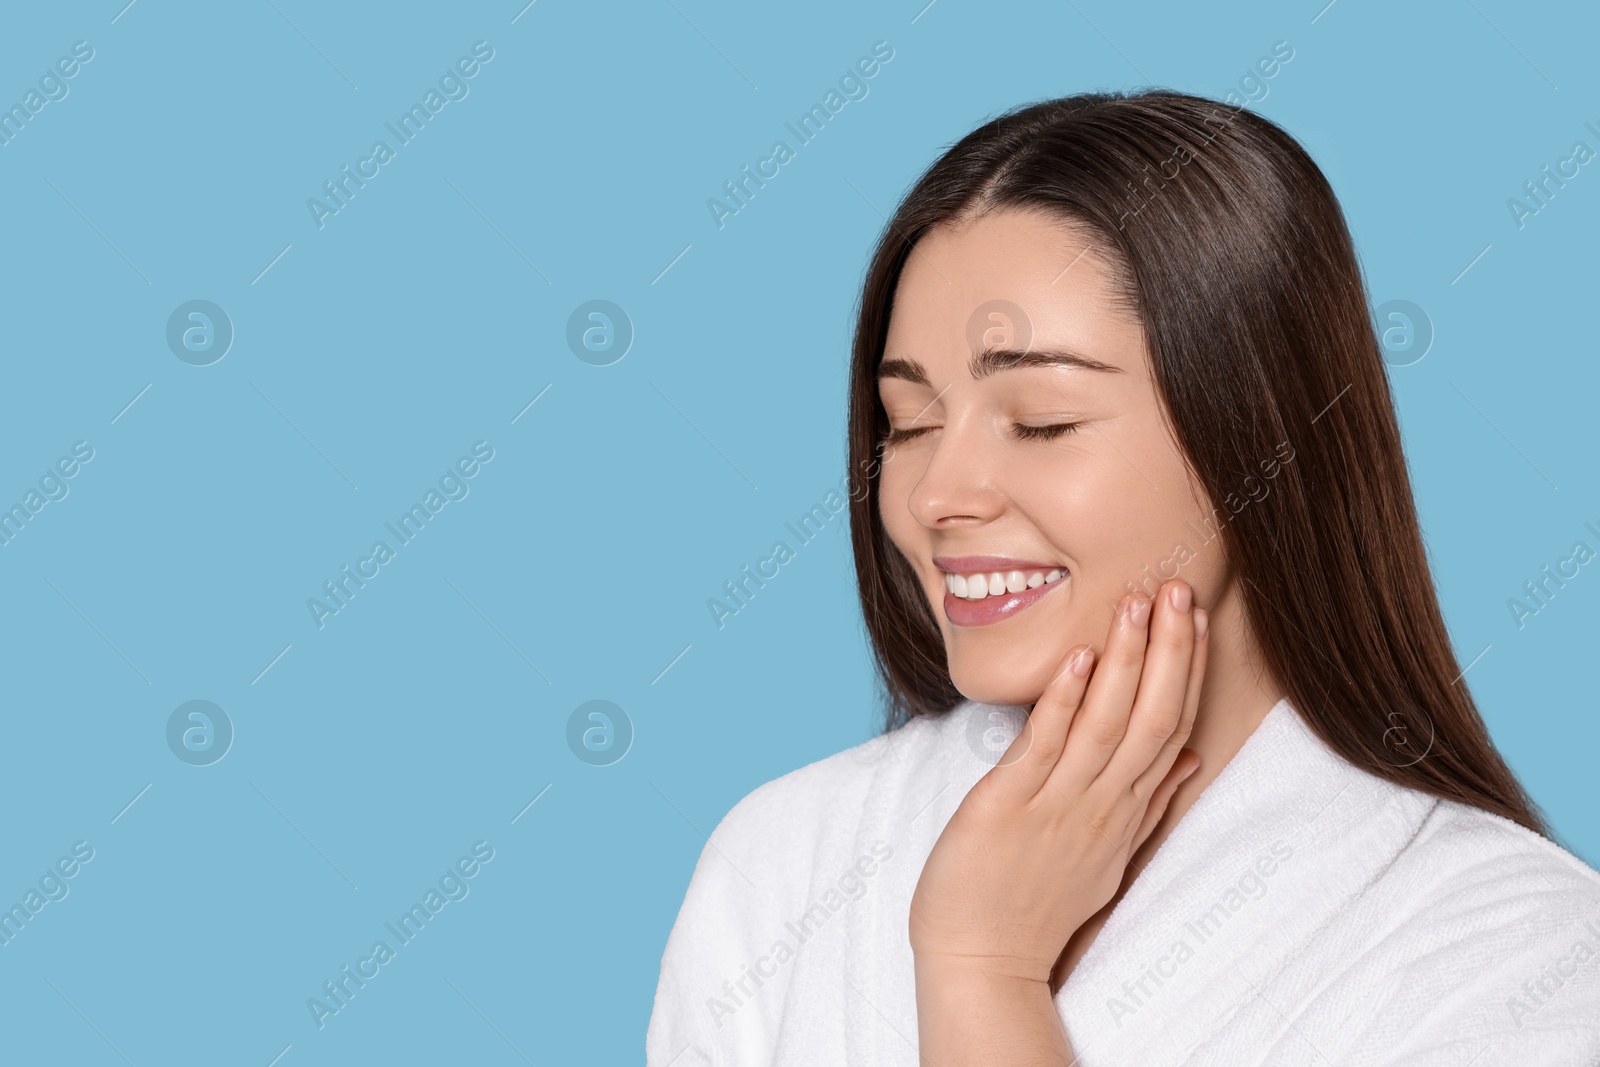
1235	697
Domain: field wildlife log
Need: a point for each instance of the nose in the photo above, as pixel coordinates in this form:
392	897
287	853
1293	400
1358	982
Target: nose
960	484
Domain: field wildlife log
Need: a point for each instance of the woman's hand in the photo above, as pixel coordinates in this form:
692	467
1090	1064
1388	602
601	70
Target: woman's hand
1042	841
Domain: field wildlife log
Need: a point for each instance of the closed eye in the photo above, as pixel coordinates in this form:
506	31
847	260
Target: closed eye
1026	433
1046	433
895	437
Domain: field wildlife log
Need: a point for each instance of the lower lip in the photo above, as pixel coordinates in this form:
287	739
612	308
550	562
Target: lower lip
992	609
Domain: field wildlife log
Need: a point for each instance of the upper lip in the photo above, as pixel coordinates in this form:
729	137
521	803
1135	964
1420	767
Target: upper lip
989	564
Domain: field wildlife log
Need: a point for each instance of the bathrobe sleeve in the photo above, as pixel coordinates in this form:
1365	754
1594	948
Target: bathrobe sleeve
1489	1016
748	973
701	1015
1497	964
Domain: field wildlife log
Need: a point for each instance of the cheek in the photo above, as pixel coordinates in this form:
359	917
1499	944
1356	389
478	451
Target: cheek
1123	530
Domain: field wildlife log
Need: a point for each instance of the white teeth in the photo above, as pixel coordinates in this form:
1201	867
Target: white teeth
978	586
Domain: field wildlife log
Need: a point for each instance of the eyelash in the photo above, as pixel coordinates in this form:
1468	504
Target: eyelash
1026	433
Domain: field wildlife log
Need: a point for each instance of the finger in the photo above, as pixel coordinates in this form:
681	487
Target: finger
1158	705
1103	719
1034	752
1191	707
1162	797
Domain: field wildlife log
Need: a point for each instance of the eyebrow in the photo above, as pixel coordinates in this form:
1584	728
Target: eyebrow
995	360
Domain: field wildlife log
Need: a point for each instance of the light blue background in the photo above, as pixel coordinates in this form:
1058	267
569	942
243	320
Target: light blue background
429	312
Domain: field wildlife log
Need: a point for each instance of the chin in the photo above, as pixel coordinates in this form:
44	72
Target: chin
1013	670
991	686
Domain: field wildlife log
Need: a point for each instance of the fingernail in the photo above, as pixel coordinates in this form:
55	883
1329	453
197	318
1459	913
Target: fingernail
1139	613
1080	662
1199	623
1181	597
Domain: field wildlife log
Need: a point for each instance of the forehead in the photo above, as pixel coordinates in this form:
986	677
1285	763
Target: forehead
1009	279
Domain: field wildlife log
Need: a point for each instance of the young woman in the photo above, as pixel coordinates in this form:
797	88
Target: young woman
1180	765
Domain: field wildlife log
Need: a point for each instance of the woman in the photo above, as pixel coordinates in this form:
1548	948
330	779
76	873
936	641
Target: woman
1116	390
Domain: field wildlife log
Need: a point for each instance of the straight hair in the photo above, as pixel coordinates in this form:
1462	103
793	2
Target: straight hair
1227	243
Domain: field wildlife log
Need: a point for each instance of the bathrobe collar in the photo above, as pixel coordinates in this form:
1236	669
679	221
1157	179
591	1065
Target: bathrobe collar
1279	842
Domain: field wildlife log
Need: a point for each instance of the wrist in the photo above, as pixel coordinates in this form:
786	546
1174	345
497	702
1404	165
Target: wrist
986	1012
978	975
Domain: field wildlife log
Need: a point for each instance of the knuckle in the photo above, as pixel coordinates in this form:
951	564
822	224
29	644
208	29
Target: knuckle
1130	654
1047	751
1101	820
1105	731
1143	790
1166	720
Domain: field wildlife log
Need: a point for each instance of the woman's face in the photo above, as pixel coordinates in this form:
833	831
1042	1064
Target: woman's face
1109	504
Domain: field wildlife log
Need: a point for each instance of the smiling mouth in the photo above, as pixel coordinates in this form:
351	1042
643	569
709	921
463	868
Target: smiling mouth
1015	591
982	585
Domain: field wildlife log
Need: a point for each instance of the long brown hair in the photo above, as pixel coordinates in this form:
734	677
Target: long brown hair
1230	245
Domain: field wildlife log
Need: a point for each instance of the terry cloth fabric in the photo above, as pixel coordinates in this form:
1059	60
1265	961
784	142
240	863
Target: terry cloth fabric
1303	911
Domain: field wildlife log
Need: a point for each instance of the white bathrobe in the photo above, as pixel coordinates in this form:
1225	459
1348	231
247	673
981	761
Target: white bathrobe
1302	911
